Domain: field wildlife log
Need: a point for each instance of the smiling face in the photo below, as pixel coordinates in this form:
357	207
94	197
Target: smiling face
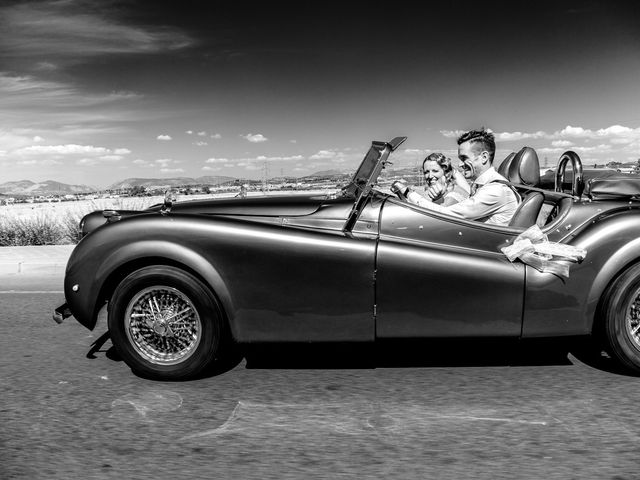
474	160
433	172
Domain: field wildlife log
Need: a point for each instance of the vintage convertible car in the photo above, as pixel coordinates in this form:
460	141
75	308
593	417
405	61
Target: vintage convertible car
186	281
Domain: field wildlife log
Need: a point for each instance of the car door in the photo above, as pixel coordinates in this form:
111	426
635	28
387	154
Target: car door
437	276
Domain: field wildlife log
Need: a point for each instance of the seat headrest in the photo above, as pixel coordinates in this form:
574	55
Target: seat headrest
503	168
524	168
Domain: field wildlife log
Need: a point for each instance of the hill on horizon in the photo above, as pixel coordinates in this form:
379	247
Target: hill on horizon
48	187
173	182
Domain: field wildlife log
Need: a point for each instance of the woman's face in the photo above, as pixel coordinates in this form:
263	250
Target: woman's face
433	172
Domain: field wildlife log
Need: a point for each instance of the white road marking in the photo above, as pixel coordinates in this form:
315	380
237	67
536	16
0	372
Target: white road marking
30	291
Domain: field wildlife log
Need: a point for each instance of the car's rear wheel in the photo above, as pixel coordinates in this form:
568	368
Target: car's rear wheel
621	310
166	324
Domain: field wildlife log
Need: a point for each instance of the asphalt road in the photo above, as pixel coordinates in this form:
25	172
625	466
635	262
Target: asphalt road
419	410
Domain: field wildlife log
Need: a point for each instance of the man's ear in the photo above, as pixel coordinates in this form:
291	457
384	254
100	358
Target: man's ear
485	157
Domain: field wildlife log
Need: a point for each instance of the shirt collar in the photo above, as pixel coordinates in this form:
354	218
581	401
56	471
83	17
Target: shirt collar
486	176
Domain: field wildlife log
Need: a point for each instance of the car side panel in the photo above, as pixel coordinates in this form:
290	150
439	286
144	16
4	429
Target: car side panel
441	278
275	283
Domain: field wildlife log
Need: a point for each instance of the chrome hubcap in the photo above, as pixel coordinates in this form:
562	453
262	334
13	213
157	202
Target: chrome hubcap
632	322
163	325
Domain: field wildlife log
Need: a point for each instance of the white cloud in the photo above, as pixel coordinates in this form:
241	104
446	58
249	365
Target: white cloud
616	130
54	154
38	139
293	141
201	144
561	143
255	137
217	160
334	157
44	162
515	136
111	158
164	137
216	136
573	132
26	89
594	149
202	134
164	161
548	150
250	167
172	170
262	158
46	67
70	149
451	133
324	155
15	138
622	141
189	132
139	161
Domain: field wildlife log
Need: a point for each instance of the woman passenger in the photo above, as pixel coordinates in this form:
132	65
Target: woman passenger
444	184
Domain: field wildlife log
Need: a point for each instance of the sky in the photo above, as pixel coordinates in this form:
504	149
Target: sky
96	92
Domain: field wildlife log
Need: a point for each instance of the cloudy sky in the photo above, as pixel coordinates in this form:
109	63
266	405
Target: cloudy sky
95	92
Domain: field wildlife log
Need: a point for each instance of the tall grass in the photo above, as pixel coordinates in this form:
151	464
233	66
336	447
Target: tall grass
39	230
56	224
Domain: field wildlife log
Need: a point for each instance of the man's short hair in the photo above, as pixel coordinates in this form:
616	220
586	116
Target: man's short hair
483	137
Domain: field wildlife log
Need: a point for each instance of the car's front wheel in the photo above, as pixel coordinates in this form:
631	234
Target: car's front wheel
166	324
621	310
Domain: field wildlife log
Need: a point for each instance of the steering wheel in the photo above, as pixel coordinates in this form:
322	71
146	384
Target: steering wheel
399	193
578	176
401	196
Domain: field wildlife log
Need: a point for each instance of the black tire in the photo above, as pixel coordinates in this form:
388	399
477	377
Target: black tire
165	324
621	311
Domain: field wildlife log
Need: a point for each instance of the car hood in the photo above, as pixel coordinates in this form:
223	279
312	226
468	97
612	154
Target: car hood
272	206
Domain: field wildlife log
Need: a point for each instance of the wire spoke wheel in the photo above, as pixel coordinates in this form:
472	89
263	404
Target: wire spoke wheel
632	322
166	324
163	325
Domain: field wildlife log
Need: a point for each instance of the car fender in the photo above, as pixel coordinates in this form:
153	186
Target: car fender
557	306
104	258
170	252
612	244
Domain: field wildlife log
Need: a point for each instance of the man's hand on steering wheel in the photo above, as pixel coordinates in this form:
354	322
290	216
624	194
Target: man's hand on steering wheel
400	189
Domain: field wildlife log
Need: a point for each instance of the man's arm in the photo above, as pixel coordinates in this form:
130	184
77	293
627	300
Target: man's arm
487	200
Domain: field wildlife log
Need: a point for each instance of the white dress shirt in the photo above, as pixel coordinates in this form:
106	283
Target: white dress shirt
492	203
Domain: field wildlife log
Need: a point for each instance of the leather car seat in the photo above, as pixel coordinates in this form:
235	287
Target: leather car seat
527	212
503	168
524	168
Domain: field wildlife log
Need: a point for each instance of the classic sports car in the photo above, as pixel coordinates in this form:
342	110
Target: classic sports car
186	281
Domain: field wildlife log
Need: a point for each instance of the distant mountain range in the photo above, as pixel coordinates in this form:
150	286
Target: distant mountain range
49	187
173	182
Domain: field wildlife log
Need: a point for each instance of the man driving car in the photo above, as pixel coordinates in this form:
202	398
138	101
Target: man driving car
491	201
